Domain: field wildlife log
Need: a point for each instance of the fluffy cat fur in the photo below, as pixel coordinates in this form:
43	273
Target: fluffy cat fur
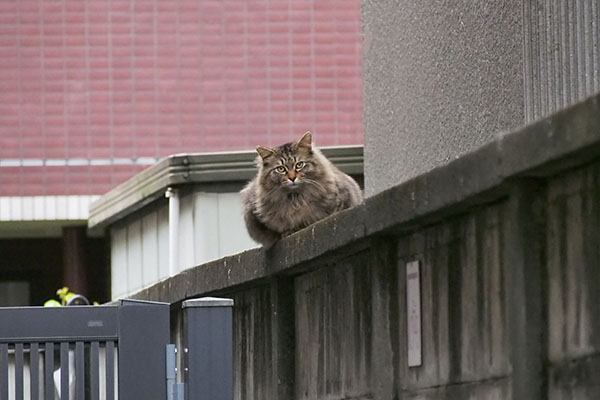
295	186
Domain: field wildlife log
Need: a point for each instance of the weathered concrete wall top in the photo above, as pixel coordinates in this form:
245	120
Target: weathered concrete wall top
506	239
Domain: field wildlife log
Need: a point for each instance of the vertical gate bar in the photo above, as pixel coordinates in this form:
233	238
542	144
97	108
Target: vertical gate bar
110	370
34	371
3	371
19	371
79	371
94	367
64	370
49	371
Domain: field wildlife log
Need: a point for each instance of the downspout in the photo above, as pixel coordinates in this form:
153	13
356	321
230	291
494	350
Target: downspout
173	197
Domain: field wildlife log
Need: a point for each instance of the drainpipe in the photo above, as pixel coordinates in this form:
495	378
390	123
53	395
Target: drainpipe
173	197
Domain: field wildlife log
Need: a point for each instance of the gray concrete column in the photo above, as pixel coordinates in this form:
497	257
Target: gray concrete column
524	257
443	78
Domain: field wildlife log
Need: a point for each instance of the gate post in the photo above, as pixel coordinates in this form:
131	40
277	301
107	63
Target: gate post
143	338
208	348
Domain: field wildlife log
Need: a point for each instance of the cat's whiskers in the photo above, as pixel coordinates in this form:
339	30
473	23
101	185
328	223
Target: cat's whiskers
314	183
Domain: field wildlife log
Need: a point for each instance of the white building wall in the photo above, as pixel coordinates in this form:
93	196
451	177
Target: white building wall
45	208
206	239
163	243
150	246
118	256
232	234
186	232
211	226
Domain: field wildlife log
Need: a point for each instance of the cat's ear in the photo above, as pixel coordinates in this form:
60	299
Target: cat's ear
265	152
305	141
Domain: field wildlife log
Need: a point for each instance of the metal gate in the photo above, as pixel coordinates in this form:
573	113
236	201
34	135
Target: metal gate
114	352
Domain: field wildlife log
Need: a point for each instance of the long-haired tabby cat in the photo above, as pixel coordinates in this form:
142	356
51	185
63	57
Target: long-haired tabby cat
295	186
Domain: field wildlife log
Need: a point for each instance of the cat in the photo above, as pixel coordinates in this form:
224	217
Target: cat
295	186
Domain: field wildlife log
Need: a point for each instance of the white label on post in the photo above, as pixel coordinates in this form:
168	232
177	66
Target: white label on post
413	313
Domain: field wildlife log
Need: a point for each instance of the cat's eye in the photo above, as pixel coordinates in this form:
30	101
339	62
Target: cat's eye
299	165
280	169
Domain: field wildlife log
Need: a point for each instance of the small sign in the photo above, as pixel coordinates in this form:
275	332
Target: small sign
413	313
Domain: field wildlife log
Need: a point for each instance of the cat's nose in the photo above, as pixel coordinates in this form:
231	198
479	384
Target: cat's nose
292	178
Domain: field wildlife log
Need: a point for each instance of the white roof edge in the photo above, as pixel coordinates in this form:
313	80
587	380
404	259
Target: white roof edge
45	208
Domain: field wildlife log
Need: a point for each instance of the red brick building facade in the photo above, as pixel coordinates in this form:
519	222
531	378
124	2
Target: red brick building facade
94	91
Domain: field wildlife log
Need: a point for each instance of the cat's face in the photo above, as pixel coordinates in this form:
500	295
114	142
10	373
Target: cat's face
290	167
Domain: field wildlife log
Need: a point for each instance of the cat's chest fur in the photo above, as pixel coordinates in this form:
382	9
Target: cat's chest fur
290	211
295	187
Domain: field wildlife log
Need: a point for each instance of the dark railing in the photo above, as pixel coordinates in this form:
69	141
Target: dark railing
116	352
84	352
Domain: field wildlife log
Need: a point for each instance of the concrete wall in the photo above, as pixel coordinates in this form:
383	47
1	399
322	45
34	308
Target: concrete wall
441	78
506	238
573	258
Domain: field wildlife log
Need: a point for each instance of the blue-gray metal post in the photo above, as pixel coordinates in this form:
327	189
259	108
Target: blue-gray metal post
143	337
208	348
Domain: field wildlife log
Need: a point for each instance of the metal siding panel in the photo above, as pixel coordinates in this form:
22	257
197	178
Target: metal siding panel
118	249
73	207
39	207
43	208
559	54
15	208
150	272
27	208
4	208
206	227
233	237
51	207
186	232
163	243
61	207
134	257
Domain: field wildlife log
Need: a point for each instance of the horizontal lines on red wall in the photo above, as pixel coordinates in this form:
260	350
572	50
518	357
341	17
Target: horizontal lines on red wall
129	79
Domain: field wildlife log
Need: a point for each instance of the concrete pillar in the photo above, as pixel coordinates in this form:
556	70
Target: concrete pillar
523	255
283	338
442	78
75	271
